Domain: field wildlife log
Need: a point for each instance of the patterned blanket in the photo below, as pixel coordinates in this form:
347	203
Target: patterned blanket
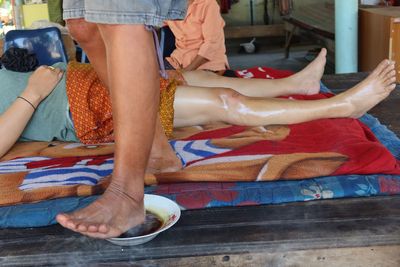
37	171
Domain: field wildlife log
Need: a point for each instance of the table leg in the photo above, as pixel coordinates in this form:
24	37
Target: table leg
289	36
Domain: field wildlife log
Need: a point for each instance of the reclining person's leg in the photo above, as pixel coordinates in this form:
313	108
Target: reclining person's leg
305	82
202	105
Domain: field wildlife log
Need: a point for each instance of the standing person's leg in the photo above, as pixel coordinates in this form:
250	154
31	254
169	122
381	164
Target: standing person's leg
88	36
134	92
162	157
202	105
134	82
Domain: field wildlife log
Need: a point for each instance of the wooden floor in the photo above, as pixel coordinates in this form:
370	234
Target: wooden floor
343	232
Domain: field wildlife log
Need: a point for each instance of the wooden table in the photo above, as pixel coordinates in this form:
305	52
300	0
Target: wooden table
342	232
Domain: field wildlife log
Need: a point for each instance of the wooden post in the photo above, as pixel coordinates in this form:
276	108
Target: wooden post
17	13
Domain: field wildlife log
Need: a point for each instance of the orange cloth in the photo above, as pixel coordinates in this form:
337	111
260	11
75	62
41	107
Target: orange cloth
90	104
200	33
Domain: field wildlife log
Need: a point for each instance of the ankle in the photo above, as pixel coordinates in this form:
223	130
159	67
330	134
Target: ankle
132	186
341	106
133	195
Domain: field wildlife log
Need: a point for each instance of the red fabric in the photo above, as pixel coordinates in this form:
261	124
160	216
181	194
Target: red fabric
263	73
350	137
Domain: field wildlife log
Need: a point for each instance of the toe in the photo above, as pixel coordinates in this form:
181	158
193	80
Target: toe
93	228
323	52
62	218
71	225
378	70
82	227
66	221
103	228
390	81
97	228
390	87
103	232
389	70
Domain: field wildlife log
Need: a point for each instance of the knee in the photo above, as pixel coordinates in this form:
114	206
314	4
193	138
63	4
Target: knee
82	31
230	99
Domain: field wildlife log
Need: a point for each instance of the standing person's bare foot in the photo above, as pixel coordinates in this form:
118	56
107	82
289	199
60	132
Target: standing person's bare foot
307	81
365	95
112	214
117	210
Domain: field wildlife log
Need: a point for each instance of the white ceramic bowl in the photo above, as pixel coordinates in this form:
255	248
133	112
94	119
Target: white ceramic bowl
165	208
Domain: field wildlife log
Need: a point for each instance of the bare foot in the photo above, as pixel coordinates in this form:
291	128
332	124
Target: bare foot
376	87
116	211
109	216
162	156
307	81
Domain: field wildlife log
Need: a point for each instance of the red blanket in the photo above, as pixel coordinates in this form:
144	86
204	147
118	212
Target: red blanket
305	150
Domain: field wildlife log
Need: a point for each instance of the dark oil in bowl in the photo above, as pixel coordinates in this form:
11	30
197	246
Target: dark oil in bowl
152	223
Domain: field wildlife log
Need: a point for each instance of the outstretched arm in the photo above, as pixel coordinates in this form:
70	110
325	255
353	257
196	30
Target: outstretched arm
17	116
197	62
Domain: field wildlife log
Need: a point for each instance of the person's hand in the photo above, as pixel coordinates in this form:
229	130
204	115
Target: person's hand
42	82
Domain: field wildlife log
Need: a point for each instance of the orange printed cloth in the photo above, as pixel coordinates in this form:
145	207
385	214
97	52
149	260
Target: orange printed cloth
90	104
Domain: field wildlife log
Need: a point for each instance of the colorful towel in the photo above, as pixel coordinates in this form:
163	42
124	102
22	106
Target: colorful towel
37	171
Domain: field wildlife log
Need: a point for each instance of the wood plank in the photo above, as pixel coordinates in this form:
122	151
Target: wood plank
384	256
254	31
286	227
394	50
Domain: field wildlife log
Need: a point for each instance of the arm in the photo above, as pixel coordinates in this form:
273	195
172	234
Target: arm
212	30
197	62
17	116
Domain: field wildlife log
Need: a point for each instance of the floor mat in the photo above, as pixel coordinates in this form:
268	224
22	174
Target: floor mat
207	195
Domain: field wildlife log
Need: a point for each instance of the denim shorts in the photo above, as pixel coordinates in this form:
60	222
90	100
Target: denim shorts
147	12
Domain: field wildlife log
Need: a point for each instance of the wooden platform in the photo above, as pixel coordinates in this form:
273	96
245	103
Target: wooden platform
343	232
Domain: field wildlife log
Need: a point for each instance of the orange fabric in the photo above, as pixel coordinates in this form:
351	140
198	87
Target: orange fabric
91	109
90	104
200	33
166	111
